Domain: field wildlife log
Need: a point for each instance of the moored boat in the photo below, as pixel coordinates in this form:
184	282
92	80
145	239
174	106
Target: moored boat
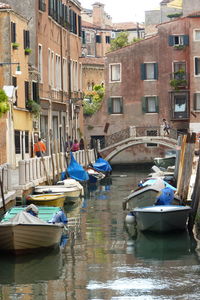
27	229
162	218
53	199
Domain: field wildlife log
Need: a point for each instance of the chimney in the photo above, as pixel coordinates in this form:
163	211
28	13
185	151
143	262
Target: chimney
98	14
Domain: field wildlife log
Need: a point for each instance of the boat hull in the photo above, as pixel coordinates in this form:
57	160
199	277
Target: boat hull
71	193
47	200
22	238
165	162
162	218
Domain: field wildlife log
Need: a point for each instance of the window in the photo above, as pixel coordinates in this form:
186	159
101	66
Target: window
179	105
179	70
14	83
58	73
115	72
83	37
42	5
35	91
40	61
178	40
197	66
150	104
26	91
73	21
197	35
26	39
115	105
13	32
79	26
107	39
65	85
26	142
149	71
197	101
98	39
17	142
151	133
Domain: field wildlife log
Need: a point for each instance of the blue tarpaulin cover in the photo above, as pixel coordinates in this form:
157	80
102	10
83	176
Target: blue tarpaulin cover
76	171
166	197
102	165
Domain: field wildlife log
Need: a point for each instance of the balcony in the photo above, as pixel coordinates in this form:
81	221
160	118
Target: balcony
179	80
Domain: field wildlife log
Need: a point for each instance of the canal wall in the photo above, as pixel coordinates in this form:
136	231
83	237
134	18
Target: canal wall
36	171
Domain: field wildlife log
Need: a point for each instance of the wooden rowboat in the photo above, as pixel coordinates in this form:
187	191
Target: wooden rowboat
20	231
54	199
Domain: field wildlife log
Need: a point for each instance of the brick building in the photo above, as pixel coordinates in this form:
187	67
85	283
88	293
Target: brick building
155	78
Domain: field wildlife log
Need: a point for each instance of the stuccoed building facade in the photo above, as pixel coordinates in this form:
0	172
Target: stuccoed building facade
155	78
54	65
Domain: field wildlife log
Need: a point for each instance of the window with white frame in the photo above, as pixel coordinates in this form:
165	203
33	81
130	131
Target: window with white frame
197	66
76	76
149	71
72	75
80	76
58	73
40	67
197	101
115	72
197	35
49	66
65	85
115	105
150	104
52	70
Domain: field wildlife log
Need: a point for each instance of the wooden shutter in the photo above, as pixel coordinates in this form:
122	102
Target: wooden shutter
196	66
156	71
186	40
13	32
79	26
143	71
110	109
121	106
75	22
170	40
144	107
83	37
157	104
195	101
26	91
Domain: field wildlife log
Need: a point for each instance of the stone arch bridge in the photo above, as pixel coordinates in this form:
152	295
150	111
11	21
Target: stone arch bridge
133	135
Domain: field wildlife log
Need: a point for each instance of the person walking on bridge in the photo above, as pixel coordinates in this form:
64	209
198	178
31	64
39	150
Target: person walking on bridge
166	127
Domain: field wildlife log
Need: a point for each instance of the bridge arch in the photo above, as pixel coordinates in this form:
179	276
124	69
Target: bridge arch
111	151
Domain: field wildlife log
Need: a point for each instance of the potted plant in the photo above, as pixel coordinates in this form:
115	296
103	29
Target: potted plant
33	107
15	46
4	104
179	47
27	51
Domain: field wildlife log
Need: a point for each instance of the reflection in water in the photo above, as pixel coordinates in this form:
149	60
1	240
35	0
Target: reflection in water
31	268
102	260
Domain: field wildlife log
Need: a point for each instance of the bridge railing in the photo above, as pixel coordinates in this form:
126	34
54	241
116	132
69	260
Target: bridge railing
135	131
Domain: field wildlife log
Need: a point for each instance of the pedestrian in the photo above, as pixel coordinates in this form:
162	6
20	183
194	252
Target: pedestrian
166	127
39	148
69	144
75	146
81	144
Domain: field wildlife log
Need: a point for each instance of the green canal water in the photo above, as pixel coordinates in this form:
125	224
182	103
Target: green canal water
105	260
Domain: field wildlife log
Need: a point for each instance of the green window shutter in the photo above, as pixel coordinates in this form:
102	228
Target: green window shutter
186	40
110	106
194	101
196	66
144	107
157	104
121	106
143	71
83	37
170	40
156	71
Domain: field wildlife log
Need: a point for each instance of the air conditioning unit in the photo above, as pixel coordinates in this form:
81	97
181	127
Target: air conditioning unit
35	124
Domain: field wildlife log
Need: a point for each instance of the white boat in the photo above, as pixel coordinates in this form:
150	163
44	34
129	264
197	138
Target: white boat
70	187
20	231
162	218
146	194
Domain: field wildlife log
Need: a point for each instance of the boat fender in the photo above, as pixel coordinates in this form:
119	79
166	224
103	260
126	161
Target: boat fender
130	218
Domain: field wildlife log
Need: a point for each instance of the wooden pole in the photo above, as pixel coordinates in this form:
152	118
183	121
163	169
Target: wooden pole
51	153
56	154
181	164
2	193
43	162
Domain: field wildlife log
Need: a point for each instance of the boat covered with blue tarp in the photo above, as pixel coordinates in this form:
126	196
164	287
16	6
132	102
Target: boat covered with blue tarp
102	165
76	171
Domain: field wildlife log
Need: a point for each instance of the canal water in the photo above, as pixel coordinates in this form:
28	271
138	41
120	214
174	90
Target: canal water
103	259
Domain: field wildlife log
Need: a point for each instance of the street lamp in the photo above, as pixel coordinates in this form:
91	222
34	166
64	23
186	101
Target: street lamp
18	71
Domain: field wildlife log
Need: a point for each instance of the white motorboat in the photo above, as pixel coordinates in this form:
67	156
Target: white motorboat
162	218
20	231
70	187
146	194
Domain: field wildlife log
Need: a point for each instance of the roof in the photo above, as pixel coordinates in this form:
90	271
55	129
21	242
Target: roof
126	26
88	24
93	60
4	5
